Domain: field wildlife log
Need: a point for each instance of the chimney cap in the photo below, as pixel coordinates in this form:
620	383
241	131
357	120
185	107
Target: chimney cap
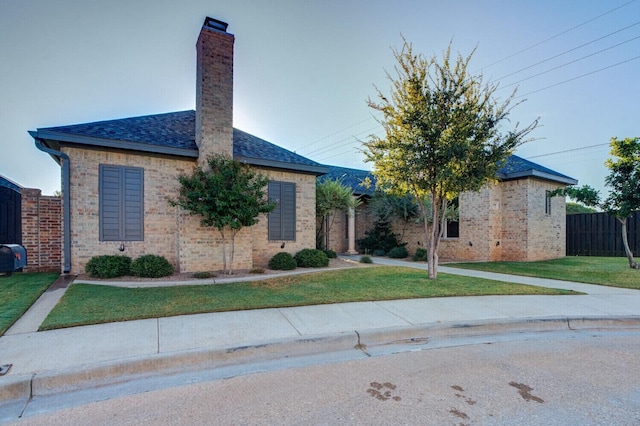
215	24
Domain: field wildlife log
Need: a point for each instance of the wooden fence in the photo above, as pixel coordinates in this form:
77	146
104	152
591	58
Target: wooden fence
598	234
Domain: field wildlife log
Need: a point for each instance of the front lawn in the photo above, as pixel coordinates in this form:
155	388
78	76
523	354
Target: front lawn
85	304
609	271
17	294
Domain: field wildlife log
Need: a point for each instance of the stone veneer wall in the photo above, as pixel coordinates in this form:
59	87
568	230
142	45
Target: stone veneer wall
42	231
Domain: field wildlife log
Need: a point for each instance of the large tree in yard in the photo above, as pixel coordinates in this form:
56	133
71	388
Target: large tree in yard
624	182
227	195
442	135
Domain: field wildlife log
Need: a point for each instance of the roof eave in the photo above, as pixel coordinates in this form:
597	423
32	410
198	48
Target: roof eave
537	174
301	168
114	143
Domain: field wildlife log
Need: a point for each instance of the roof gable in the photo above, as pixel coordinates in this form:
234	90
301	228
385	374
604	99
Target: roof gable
174	134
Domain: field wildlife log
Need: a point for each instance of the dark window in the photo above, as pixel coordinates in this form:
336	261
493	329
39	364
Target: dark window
121	203
547	202
453	229
282	220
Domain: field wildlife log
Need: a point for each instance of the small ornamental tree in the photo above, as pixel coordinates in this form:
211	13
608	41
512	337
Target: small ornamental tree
443	135
227	195
331	196
624	181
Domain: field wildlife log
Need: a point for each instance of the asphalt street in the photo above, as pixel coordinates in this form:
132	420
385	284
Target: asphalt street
553	378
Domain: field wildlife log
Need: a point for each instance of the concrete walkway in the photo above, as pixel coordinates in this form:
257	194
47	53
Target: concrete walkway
50	362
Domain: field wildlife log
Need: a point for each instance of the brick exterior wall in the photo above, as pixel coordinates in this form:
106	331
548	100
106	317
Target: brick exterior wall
42	231
503	221
214	93
169	232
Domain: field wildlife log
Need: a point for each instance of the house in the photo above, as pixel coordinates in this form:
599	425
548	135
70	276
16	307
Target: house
118	176
514	219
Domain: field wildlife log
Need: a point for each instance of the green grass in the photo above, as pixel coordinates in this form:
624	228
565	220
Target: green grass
92	304
17	294
609	271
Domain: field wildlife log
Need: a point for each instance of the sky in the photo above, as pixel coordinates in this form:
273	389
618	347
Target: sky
304	70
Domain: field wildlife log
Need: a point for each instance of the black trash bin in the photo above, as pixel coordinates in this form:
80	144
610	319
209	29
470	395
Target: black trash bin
13	257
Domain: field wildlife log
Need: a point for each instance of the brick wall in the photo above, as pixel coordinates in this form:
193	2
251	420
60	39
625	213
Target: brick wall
504	221
168	232
42	231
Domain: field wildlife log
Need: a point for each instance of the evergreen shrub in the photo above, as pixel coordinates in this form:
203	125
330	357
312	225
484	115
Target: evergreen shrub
311	258
108	266
282	261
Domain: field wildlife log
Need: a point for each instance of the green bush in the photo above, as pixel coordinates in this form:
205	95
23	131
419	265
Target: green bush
380	239
398	252
311	258
282	261
365	259
151	266
331	254
108	266
420	255
202	275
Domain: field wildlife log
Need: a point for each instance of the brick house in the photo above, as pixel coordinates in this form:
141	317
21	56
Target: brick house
118	175
513	219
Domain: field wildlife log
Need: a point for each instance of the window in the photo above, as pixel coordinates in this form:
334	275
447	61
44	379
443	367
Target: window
452	230
282	220
121	203
547	202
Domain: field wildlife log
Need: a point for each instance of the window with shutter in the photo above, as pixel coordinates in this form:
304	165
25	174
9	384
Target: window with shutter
121	203
282	220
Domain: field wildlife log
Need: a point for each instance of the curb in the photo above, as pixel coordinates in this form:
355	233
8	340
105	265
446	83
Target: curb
14	390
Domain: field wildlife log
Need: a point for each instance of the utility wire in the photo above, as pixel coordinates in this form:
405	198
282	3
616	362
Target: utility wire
570	50
578	77
570	62
335	133
559	34
568	150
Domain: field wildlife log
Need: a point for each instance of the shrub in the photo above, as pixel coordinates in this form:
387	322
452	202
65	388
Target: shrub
108	266
420	255
311	258
398	252
365	259
379	252
282	261
380	239
151	266
331	254
202	275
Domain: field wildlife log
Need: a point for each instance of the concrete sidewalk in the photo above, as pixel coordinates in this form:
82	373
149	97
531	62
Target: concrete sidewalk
50	362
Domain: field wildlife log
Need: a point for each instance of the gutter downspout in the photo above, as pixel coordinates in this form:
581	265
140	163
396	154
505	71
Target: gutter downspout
66	213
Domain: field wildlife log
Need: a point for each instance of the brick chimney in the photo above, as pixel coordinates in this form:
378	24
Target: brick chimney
214	90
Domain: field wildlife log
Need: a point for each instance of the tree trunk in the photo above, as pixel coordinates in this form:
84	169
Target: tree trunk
233	250
632	263
433	238
224	253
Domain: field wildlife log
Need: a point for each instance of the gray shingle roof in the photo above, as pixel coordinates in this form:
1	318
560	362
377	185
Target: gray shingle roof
174	133
515	167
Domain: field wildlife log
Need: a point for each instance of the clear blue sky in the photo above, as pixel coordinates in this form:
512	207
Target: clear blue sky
304	69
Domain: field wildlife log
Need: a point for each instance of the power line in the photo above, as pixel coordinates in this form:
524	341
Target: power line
337	132
568	150
570	50
578	77
328	147
559	34
570	62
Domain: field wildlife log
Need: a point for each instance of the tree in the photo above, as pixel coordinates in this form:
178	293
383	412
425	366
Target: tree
386	207
331	196
442	135
227	195
576	208
624	181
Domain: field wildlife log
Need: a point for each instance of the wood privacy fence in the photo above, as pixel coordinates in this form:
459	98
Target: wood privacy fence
598	234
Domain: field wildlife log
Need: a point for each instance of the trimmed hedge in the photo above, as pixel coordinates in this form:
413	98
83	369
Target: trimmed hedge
331	254
311	258
151	266
282	261
420	255
108	266
398	252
